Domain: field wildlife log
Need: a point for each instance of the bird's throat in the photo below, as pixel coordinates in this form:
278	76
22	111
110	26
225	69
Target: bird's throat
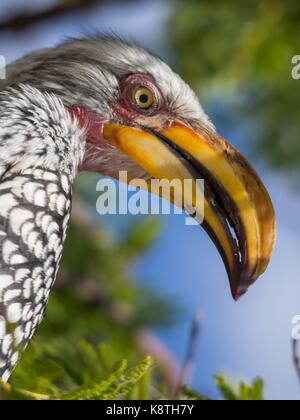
94	141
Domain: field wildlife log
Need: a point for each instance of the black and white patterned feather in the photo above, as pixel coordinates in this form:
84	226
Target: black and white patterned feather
41	148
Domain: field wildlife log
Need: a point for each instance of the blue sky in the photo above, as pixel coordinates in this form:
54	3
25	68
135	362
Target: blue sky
246	339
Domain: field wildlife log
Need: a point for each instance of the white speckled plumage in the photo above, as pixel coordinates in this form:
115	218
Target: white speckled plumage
41	148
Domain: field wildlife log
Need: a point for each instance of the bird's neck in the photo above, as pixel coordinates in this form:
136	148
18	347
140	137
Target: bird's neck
41	149
36	130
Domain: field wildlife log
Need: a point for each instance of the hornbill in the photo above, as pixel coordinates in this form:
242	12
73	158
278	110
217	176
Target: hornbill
103	105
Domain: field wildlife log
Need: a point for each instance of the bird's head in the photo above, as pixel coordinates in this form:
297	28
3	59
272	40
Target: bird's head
143	118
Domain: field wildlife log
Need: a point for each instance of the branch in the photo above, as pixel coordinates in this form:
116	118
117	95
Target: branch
296	357
23	20
190	358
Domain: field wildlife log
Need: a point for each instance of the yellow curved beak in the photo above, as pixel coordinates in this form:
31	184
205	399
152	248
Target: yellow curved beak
238	212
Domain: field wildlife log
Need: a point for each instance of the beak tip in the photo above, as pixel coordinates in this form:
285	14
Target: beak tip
238	292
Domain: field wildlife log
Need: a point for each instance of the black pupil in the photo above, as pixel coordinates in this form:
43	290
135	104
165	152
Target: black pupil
144	98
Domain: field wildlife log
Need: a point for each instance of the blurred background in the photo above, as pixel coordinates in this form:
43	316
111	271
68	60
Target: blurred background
132	286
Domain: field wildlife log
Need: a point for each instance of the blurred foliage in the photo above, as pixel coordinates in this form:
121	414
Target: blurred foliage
242	51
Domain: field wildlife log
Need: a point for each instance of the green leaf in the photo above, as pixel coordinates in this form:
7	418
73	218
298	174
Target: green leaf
254	392
226	389
120	383
187	393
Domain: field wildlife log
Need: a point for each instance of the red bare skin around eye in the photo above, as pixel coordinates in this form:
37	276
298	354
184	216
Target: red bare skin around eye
127	113
126	107
123	110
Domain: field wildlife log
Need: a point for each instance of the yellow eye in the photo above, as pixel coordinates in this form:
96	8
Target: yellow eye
143	97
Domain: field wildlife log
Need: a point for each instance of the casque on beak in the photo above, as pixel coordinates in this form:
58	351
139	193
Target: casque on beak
238	212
